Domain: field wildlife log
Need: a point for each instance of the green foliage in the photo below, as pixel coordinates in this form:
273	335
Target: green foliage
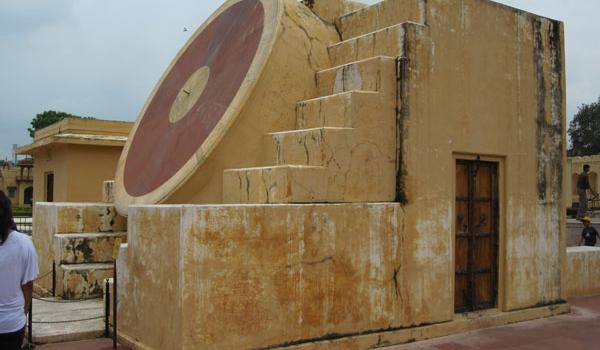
584	130
45	119
22	211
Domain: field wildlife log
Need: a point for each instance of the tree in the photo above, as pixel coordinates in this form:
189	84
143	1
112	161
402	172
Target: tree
584	130
45	119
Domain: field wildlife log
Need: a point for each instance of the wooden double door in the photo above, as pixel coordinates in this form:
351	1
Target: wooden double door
476	231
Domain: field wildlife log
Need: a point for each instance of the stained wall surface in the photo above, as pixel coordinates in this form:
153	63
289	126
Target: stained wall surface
267	275
482	79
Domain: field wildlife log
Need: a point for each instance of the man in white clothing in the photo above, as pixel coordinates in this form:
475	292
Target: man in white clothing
18	269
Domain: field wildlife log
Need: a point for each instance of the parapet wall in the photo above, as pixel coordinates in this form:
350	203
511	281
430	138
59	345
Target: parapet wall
253	276
583	271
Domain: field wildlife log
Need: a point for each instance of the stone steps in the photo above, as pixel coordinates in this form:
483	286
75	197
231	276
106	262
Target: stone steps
322	147
375	74
344	139
344	110
380	15
275	184
389	41
80	238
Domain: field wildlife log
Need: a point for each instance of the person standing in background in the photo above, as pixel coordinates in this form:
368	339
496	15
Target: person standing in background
18	270
583	185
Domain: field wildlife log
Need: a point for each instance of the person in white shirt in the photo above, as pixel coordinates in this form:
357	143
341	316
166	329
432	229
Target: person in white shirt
18	270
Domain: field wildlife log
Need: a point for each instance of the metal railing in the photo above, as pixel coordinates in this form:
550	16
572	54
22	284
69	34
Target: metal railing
107	310
24	224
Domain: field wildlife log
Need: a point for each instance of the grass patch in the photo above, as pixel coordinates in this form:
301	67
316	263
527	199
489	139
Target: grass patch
22	211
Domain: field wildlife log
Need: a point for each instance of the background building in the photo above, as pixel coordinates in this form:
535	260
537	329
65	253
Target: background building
574	168
73	157
16	180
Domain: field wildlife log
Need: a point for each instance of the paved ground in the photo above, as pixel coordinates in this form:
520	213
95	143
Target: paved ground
46	313
98	344
579	330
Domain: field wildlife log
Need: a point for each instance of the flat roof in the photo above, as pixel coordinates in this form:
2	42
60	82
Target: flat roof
76	131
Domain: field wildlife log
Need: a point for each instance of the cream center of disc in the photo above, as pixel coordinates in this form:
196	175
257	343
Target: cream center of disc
189	94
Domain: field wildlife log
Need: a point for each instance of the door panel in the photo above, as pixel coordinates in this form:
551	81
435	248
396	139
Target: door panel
476	232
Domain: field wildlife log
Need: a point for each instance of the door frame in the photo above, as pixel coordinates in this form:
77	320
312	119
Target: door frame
501	276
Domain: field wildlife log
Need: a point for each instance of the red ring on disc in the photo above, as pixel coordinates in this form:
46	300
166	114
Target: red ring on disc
160	148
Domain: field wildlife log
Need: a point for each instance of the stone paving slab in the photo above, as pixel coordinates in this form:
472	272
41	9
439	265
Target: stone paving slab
577	330
96	344
66	311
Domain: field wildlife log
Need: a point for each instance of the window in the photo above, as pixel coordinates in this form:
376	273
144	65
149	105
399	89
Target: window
49	187
12	192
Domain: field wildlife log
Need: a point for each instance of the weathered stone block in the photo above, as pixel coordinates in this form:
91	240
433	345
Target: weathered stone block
276	184
86	247
274	274
108	191
348	109
82	281
69	218
384	42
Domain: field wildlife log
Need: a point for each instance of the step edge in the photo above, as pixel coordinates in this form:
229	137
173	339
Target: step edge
374	58
339	94
399	25
276	167
90	235
85	266
308	130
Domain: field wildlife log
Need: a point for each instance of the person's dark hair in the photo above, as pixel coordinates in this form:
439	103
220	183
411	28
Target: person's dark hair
6	217
586	167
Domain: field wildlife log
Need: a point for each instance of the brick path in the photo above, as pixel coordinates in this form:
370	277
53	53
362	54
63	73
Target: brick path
579	330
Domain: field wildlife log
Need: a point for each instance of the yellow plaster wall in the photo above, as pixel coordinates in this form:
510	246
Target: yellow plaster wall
8	178
574	168
51	159
79	171
473	86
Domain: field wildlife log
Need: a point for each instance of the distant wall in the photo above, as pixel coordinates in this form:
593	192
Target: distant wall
574	168
79	171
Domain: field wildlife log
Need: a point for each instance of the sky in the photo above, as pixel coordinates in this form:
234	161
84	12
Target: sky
103	58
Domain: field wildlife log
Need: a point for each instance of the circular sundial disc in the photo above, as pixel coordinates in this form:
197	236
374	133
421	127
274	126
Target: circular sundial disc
195	97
